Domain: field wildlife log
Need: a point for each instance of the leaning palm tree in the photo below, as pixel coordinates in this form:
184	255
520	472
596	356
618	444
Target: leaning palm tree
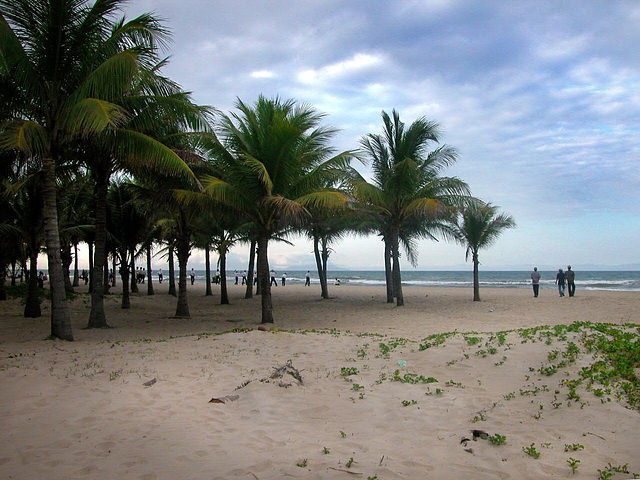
271	162
407	198
478	226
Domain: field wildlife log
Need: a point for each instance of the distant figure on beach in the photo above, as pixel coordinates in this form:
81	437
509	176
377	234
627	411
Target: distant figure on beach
217	277
159	275
284	279
272	273
84	276
193	275
535	281
560	281
571	281
40	279
244	277
143	274
307	279
235	272
337	282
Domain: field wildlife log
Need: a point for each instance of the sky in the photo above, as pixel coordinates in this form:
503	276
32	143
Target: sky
541	100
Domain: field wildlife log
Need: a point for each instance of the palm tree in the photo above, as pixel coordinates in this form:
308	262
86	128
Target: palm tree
479	226
407	198
271	163
66	63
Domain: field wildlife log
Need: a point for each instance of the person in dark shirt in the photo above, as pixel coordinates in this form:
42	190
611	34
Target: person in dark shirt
560	281
571	281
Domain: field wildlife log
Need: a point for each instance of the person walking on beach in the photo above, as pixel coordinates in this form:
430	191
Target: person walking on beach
235	272
272	273
284	279
193	276
217	277
40	279
244	277
571	281
307	279
535	281
159	275
560	281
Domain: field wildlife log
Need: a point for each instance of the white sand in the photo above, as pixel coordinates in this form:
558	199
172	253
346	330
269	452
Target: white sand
79	410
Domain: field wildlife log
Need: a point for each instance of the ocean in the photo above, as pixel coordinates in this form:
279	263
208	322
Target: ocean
588	280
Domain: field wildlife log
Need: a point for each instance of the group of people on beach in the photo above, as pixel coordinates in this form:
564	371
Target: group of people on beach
564	280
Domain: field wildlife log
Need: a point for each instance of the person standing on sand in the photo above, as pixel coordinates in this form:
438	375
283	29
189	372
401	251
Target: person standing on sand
560	281
272	273
535	281
217	277
193	275
307	279
235	272
571	281
244	277
159	275
284	279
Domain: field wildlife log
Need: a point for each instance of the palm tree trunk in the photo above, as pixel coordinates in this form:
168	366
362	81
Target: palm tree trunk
113	267
3	277
124	275
60	319
90	266
476	282
149	271
397	278
106	286
13	273
97	316
32	305
252	256
207	265
134	280
66	267
182	307
75	264
263	279
172	273
224	296
387	270
325	261
323	280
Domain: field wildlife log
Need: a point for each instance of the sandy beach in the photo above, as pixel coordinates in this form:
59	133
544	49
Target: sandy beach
382	396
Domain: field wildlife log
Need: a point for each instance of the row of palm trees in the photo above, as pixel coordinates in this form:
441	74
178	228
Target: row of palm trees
117	155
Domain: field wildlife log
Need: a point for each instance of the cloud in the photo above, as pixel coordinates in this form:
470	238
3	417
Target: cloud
357	63
262	74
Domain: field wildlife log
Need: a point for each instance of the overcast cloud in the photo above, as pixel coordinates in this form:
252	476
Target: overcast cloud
542	100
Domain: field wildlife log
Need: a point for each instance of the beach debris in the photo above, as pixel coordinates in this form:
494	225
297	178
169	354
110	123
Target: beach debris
225	399
402	363
345	471
262	329
479	434
464	440
242	385
151	382
469	450
287	369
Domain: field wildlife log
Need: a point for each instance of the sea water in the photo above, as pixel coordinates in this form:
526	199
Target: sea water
588	280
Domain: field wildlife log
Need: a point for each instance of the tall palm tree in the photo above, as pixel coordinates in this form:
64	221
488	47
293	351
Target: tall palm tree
66	64
407	197
271	162
159	115
478	226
